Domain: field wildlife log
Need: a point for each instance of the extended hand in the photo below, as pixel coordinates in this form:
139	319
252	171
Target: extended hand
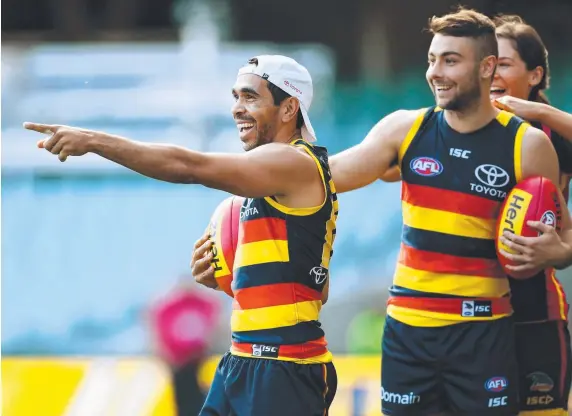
528	110
64	141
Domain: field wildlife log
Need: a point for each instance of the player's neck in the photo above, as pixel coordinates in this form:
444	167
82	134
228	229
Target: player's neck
286	136
473	118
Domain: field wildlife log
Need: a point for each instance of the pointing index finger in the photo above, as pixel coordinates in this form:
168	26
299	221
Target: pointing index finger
40	128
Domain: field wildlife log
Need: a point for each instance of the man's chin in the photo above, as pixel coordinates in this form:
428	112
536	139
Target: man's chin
442	103
248	145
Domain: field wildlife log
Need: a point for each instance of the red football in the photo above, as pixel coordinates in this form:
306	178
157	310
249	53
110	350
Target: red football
223	229
533	199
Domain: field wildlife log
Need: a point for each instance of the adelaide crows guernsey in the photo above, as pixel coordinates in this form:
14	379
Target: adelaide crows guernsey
542	297
280	270
453	185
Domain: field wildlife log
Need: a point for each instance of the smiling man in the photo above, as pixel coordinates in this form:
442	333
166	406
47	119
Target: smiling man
278	363
448	343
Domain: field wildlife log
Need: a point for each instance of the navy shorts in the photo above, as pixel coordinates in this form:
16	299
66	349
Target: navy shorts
543	354
465	369
245	386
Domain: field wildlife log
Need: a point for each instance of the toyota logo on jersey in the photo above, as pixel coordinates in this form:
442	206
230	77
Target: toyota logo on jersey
492	175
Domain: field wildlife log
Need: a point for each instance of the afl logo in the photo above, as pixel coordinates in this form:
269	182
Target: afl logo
549	218
426	166
496	384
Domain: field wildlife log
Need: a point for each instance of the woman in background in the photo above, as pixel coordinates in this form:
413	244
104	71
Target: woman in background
539	303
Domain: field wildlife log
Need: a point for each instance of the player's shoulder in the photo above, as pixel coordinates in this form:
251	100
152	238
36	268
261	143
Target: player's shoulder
538	155
405	118
535	137
393	128
402	122
288	155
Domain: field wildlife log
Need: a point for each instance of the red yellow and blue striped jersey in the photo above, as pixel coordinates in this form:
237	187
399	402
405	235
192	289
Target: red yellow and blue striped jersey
280	269
453	185
542	297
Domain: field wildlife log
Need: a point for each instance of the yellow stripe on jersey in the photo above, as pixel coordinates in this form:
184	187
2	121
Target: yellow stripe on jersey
450	284
258	252
411	135
430	319
274	316
330	228
518	151
504	117
447	222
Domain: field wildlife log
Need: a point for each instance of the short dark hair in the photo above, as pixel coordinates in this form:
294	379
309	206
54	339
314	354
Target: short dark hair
528	43
470	24
279	95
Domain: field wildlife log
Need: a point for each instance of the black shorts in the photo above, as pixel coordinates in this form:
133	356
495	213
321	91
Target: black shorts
543	354
467	369
245	386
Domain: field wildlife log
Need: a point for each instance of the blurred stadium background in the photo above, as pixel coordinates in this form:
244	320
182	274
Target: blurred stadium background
88	246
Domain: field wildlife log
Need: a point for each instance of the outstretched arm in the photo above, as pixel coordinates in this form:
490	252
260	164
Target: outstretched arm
549	249
368	161
557	120
270	170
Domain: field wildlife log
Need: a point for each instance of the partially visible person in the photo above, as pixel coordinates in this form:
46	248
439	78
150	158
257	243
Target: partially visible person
182	323
448	343
519	86
540	304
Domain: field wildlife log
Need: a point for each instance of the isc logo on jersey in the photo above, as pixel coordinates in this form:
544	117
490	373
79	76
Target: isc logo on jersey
426	166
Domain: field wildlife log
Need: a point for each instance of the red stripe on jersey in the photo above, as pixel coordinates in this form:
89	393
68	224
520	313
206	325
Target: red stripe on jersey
446	263
450	201
261	229
300	351
273	295
499	306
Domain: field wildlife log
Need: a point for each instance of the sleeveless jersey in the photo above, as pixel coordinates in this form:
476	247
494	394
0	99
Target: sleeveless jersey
280	270
453	185
542	297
